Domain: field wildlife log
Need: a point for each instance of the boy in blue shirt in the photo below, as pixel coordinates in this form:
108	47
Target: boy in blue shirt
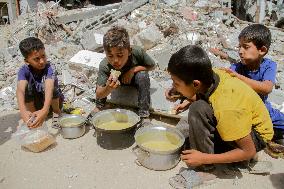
257	71
37	87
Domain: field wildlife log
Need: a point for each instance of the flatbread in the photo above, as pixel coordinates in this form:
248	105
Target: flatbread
115	74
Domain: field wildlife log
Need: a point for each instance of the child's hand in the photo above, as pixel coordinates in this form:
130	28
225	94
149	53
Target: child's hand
183	106
193	157
127	77
26	116
172	95
40	116
231	72
112	83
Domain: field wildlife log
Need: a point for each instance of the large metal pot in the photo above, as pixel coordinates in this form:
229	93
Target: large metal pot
72	126
119	138
157	159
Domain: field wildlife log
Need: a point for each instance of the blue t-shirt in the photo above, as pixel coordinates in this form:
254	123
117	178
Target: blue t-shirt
37	80
265	72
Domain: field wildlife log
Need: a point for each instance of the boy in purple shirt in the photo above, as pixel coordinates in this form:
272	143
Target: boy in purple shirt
37	87
257	71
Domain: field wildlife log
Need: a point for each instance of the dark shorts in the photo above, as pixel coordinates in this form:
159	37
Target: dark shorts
222	146
31	95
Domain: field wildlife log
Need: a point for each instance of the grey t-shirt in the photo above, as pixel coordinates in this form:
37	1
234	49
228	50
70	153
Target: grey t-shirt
138	58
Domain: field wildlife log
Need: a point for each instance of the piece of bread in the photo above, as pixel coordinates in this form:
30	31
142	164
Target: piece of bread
115	74
40	141
172	112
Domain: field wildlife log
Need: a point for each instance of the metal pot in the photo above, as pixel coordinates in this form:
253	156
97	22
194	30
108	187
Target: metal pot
157	159
115	139
72	126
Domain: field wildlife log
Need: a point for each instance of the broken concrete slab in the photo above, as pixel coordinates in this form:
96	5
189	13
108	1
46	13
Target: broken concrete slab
110	17
129	7
148	38
81	14
161	54
88	58
92	40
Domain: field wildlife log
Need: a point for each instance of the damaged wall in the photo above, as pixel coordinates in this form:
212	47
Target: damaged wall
260	11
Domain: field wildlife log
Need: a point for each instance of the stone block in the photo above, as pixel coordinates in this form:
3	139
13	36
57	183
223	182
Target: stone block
161	54
148	38
88	58
92	40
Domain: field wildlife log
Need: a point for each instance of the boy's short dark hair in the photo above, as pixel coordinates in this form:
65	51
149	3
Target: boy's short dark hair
30	44
258	34
191	63
116	37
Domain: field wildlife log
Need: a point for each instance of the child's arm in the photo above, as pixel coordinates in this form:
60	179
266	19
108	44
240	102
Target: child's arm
185	104
261	87
40	115
127	77
245	151
224	55
20	93
111	84
146	63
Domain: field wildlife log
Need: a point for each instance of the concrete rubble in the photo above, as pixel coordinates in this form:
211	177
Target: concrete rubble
160	27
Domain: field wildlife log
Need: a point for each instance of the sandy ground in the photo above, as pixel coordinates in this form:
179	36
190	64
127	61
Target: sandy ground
81	163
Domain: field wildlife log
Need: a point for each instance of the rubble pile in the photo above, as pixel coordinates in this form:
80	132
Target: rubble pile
160	27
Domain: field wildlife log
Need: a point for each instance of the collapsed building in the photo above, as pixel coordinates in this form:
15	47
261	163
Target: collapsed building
73	41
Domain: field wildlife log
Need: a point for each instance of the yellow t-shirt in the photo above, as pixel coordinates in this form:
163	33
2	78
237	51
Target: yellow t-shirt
238	109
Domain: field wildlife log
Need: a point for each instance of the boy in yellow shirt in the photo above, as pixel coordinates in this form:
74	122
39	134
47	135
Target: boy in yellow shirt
228	122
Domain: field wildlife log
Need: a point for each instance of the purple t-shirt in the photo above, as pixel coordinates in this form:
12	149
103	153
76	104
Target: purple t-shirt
36	80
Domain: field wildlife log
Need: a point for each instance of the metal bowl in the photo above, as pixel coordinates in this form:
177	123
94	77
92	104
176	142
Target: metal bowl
115	139
68	119
157	159
72	126
119	115
158	133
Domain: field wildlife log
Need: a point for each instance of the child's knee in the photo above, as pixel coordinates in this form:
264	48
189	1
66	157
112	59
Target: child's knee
142	76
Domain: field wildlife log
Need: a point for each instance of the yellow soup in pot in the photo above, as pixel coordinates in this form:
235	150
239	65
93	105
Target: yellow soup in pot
71	122
114	125
159	141
159	145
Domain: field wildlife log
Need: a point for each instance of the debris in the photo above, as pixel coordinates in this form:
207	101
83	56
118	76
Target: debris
148	38
88	58
73	40
173	29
